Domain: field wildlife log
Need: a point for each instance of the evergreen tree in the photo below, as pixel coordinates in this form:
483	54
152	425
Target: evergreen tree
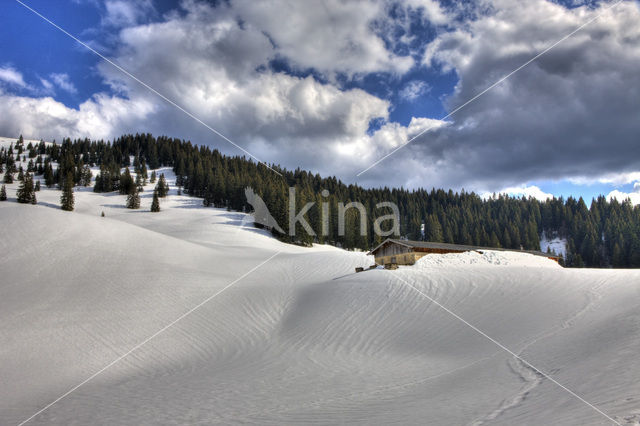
37	187
162	188
143	172
85	176
617	260
66	199
139	182
3	193
48	175
126	182
8	176
153	177
133	199
155	204
433	230
25	192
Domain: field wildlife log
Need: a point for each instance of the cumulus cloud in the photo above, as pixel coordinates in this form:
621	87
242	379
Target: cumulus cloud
522	191
99	117
330	36
212	65
634	195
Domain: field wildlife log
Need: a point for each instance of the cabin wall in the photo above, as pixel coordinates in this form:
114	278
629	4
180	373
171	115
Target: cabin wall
391	249
399	259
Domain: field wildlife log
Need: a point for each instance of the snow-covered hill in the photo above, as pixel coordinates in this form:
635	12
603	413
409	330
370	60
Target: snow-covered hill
301	339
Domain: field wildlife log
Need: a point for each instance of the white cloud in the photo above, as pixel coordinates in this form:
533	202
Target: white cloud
62	81
431	9
122	13
11	76
47	86
634	195
522	190
99	117
413	90
330	36
607	178
211	60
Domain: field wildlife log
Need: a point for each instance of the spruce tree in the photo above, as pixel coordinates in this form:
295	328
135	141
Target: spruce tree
25	192
85	176
162	187
155	204
139	182
143	172
126	182
617	259
33	198
8	176
133	199
49	179
3	193
37	187
153	177
66	199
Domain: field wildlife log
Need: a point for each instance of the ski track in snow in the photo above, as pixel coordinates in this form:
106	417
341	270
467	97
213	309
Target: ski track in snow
531	377
301	340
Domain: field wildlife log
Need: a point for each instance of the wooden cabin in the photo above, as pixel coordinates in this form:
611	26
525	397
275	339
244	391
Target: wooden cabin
406	252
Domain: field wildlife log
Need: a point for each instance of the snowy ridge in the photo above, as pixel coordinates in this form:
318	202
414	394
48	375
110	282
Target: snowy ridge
6	142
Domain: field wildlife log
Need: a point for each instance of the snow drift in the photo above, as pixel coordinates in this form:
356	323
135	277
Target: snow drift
302	339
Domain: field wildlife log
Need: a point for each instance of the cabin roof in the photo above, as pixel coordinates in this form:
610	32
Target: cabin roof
453	247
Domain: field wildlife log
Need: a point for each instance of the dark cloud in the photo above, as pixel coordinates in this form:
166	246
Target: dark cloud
572	112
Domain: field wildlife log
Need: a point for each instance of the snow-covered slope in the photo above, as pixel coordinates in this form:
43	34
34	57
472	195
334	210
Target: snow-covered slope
302	339
555	244
6	142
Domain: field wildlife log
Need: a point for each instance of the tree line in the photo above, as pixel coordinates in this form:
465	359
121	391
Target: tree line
604	234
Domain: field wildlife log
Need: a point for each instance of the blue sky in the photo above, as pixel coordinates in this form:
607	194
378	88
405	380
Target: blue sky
38	52
333	86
